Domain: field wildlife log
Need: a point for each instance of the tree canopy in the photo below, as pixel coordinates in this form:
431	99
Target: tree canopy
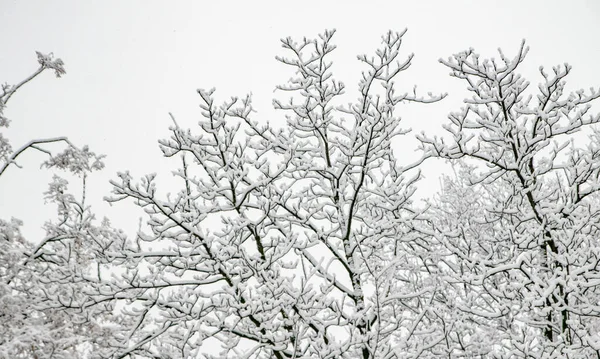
304	240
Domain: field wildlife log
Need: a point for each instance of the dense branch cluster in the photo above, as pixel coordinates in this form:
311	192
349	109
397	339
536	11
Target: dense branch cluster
522	245
303	241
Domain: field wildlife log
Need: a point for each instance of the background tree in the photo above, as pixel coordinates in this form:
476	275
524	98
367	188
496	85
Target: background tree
42	281
519	231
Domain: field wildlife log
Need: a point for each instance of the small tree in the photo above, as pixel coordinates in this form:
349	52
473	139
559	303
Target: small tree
286	243
519	233
42	282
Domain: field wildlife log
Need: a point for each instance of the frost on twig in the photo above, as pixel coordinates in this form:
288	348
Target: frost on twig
7	155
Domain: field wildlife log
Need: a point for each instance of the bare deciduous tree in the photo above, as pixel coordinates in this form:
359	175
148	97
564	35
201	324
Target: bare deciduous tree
519	234
283	242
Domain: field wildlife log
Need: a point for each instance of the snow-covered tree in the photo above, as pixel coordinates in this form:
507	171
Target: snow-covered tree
282	241
518	230
299	239
43	281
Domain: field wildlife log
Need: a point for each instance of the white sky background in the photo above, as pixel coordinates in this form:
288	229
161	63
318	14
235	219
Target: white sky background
129	63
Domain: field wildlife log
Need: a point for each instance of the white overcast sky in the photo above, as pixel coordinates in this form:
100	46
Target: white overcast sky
130	63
